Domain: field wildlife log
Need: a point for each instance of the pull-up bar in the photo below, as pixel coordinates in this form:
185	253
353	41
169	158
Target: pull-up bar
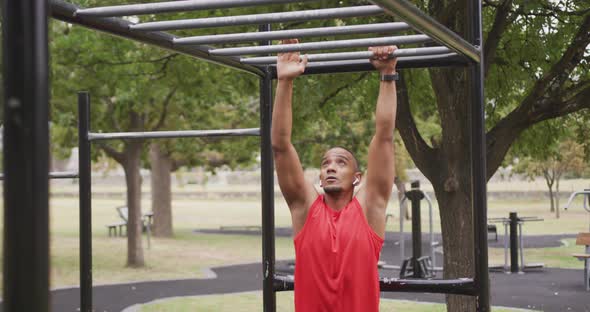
427	25
311	46
63	175
55	175
461	286
294	33
256	19
348	66
351	55
353	66
173	134
174	6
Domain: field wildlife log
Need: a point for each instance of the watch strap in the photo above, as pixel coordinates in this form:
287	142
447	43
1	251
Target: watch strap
390	77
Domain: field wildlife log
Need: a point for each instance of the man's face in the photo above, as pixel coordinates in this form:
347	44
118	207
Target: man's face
338	170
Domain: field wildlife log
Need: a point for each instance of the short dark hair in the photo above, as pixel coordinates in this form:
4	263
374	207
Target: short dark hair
357	165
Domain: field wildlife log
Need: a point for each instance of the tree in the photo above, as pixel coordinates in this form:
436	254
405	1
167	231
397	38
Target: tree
117	74
536	67
167	157
552	164
133	88
224	108
534	57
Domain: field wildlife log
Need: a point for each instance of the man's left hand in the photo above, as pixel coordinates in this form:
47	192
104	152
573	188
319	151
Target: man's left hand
381	60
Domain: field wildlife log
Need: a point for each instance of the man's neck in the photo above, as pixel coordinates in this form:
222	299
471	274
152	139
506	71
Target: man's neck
337	201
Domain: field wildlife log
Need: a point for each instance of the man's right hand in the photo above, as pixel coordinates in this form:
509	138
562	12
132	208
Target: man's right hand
289	65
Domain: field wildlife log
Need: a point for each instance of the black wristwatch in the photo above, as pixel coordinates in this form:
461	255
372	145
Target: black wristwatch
390	77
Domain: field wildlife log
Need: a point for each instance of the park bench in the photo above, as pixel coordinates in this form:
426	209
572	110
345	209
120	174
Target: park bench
117	228
492	229
584	239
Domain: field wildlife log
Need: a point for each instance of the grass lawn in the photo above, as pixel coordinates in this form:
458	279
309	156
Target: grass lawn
252	301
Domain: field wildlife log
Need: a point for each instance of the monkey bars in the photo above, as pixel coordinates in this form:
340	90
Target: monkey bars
25	27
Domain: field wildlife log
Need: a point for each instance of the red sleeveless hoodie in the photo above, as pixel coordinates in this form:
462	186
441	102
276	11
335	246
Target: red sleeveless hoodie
336	256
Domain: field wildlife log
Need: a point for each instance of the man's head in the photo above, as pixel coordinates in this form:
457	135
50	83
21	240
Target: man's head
339	170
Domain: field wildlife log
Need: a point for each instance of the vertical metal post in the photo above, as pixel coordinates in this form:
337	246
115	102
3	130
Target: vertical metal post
26	156
478	159
521	247
267	180
402	235
416	196
505	223
513	242
85	202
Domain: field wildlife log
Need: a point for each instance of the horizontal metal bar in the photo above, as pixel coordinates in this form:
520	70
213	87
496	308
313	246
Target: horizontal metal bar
56	175
322	45
295	33
429	26
173	134
64	11
462	286
352	66
278	17
351	55
63	175
174	6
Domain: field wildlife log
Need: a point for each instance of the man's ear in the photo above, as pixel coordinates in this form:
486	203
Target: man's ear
357	179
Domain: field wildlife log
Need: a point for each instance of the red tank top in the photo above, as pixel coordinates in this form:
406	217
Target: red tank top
336	256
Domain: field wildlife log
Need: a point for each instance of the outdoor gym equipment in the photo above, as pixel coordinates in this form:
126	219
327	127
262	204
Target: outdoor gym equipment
417	266
583	238
586	200
26	140
515	243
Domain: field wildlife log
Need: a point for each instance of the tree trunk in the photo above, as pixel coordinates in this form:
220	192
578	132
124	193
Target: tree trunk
457	242
557	178
452	180
401	190
551	199
131	166
161	191
549	179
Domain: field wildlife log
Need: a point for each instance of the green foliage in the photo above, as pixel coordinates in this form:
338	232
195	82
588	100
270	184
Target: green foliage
539	142
529	48
166	90
558	159
328	110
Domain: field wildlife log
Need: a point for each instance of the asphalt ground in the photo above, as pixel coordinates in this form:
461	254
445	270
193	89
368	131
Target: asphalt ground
554	290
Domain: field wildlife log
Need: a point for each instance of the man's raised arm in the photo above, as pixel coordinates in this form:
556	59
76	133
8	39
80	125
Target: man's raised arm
375	193
298	193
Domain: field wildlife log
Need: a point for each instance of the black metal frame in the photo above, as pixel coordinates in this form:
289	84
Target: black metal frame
85	139
26	156
26	256
85	198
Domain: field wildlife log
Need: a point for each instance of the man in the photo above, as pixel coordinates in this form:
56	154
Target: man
337	236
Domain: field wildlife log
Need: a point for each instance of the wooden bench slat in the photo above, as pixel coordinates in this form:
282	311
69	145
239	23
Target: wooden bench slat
583	239
587	256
